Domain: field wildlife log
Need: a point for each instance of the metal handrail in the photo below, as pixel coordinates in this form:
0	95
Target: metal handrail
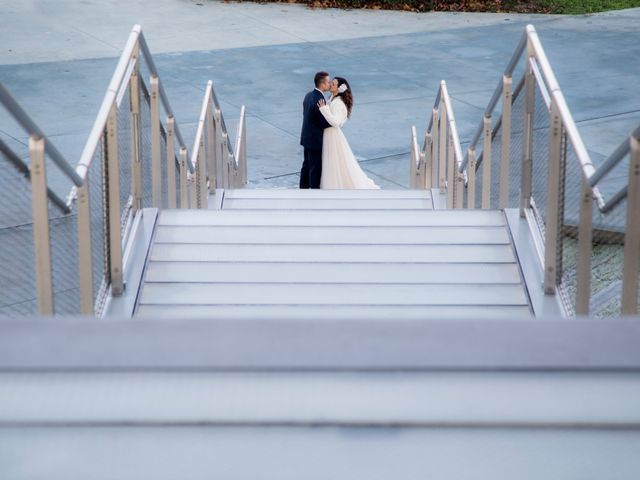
415	149
31	128
609	164
117	217
452	124
23	168
556	94
542	70
235	159
442	109
443	96
497	93
136	39
201	124
516	91
216	105
614	159
562	131
436	104
163	96
239	136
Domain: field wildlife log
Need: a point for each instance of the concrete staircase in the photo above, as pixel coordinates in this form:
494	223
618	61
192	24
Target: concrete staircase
335	254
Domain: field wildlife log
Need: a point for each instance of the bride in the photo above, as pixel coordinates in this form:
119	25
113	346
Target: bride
340	169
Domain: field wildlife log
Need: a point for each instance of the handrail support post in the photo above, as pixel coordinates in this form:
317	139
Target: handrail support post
224	149
471	186
527	147
184	189
171	162
585	248
632	235
451	171
442	148
243	151
486	163
201	177
211	149
414	168
434	153
506	141
41	239
136	133
554	212
219	149
426	158
156	169
114	237
85	259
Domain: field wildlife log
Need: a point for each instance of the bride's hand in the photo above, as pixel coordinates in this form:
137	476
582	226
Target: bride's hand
322	103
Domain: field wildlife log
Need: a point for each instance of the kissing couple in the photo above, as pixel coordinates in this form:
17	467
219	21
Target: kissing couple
329	162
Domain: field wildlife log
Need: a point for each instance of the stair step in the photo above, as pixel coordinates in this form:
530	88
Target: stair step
338	218
389	273
333	253
331	294
334	312
325	204
332	235
246	193
299	260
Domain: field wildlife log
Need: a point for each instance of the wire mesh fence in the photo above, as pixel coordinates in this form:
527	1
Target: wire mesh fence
516	145
17	245
493	163
145	149
568	236
164	179
516	148
124	155
17	275
531	137
19	294
145	140
607	261
608	229
97	204
177	181
540	160
63	235
496	155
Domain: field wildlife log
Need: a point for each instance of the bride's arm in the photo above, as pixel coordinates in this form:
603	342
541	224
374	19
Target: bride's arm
337	117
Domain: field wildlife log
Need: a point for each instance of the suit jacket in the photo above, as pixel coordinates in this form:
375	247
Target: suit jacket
313	122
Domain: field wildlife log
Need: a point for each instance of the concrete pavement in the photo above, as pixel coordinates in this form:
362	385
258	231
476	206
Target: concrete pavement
57	58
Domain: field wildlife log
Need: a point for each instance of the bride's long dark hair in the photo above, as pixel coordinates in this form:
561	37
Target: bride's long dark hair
347	96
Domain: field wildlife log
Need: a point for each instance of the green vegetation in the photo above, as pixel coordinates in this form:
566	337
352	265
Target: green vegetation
577	7
573	7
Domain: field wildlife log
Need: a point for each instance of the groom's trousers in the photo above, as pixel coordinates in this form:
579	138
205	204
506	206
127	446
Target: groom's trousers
311	168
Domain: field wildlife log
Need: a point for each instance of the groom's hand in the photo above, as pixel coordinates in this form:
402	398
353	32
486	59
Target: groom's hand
322	103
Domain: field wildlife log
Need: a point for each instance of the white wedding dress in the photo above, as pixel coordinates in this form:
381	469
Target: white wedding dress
340	169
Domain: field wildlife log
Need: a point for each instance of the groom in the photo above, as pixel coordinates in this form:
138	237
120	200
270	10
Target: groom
313	125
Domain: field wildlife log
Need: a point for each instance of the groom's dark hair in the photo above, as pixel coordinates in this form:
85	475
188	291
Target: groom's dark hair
319	77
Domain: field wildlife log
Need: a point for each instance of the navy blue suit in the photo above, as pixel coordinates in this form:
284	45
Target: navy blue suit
313	125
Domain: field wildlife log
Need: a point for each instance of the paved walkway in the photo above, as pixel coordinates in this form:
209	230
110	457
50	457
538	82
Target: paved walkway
57	58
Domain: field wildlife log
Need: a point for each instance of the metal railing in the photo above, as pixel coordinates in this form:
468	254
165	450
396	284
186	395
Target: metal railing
134	158
437	164
532	157
212	150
